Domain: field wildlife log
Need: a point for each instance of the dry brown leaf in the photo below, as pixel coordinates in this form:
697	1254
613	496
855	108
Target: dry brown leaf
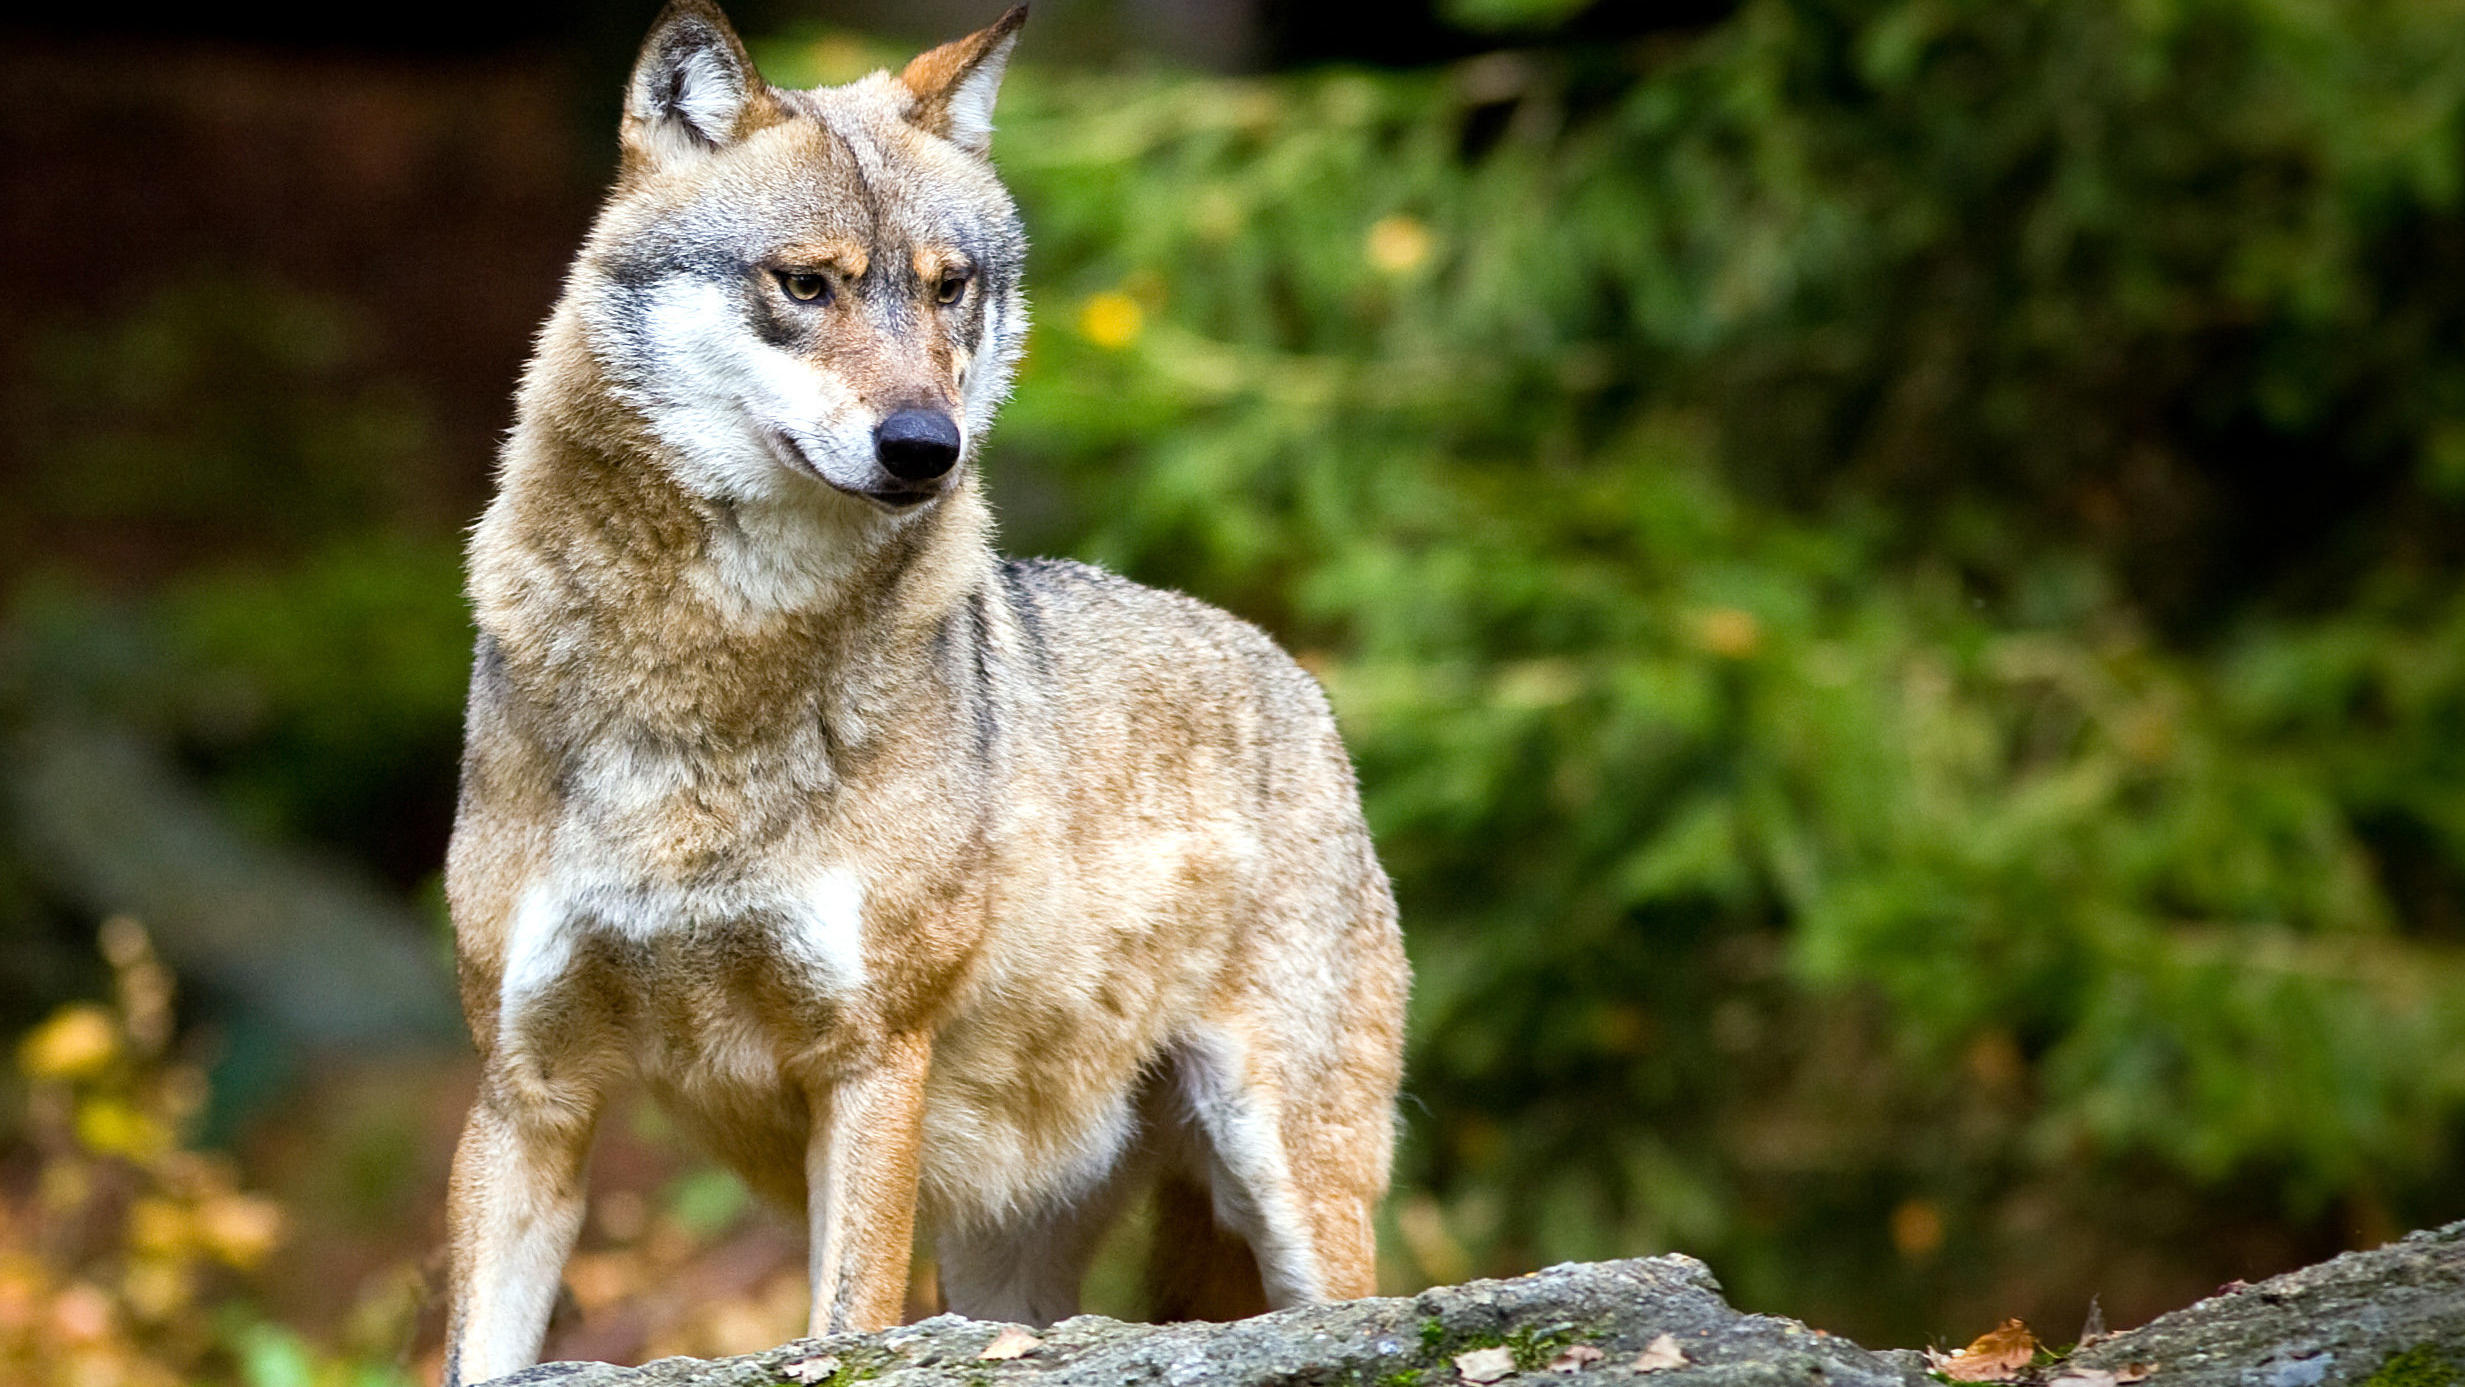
818	1368
2133	1372
1659	1355
1575	1359
1485	1364
1011	1342
1997	1356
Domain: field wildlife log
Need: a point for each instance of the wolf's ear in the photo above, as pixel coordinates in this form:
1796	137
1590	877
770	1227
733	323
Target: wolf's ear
954	84
694	89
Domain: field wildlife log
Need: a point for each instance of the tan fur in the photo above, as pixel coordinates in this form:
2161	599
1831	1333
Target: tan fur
915	883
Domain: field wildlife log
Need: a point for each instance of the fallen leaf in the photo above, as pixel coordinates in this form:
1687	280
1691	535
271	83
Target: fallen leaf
1485	1364
1011	1342
2134	1372
1659	1355
818	1368
1998	1354
1575	1359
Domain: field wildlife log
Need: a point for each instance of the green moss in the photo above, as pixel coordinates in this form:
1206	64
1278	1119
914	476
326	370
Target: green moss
1409	1377
1533	1348
851	1371
2422	1366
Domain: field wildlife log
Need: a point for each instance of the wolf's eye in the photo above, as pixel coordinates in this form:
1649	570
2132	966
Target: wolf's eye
952	288
805	288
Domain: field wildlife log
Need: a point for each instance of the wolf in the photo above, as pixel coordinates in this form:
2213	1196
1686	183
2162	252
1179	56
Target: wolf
918	884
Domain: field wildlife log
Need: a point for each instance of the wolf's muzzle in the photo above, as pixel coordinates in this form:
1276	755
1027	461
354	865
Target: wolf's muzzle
917	445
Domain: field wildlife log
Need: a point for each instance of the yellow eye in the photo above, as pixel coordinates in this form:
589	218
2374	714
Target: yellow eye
953	287
806	288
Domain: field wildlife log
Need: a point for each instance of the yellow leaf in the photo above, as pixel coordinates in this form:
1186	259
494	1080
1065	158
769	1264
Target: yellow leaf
1729	632
155	1290
1399	244
110	1127
78	1042
159	1227
1996	1356
240	1228
1112	320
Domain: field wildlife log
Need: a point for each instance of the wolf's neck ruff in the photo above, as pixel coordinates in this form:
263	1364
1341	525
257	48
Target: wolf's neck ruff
708	618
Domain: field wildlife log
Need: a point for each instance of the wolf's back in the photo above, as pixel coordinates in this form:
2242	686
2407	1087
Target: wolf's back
1164	671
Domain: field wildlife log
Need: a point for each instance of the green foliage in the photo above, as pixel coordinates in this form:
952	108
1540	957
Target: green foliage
314	666
322	698
1488	15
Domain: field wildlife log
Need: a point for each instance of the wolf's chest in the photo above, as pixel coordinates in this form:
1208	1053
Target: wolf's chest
685	918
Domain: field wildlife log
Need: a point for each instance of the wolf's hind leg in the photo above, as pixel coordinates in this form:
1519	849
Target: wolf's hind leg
1306	1235
1338	1207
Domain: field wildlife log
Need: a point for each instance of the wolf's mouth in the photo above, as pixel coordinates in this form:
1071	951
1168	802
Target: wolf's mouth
792	454
896	500
791	451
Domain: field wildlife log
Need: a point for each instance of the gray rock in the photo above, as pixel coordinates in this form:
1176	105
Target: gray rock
2325	1326
2338	1322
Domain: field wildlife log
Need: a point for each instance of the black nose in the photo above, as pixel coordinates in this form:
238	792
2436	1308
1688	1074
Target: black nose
917	445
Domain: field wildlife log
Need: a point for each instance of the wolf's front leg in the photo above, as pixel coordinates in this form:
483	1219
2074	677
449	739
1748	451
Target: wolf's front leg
513	1210
860	1173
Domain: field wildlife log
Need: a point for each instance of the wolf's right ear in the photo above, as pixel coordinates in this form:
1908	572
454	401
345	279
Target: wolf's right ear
693	90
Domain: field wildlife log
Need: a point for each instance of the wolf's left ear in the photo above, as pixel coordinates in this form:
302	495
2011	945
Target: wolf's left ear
693	89
954	84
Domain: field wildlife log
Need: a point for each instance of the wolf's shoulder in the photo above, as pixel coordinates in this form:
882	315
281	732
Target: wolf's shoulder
1084	595
1085	617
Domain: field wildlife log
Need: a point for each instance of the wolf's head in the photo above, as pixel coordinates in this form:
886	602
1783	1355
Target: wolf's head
807	292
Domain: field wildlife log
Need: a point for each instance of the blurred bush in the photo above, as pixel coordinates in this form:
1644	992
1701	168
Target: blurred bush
124	1264
218	415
